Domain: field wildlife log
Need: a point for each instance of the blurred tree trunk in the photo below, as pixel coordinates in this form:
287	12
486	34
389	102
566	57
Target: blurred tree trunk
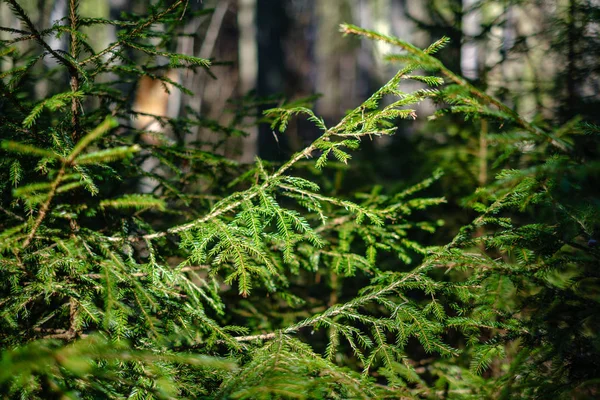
57	12
271	22
336	61
329	55
572	36
116	7
437	20
248	68
7	21
469	50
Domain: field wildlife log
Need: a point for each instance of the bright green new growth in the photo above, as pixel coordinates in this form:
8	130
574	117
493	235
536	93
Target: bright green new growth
141	295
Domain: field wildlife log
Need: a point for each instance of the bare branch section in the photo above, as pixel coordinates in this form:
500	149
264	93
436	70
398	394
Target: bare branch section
142	274
74	81
46	206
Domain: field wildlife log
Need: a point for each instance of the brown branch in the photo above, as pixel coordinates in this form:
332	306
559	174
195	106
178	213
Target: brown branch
73	71
141	274
45	206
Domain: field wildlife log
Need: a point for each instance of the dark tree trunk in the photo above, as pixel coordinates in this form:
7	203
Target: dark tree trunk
271	22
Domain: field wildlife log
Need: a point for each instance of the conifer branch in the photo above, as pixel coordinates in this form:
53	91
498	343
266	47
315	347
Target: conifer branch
36	34
134	32
6	92
434	62
272	179
107	124
46	206
337	308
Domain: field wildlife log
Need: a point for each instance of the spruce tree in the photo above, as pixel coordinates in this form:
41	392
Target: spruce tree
212	283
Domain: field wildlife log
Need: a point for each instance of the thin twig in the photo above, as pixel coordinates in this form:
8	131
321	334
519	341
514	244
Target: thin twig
252	338
45	206
73	71
141	274
12	214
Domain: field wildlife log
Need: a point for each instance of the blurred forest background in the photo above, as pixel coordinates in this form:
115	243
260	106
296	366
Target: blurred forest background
539	57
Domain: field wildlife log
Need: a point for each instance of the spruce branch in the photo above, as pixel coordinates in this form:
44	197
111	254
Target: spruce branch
338	309
46	206
434	63
272	180
66	162
18	10
138	29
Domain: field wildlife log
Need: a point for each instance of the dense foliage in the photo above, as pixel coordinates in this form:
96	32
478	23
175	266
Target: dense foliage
199	277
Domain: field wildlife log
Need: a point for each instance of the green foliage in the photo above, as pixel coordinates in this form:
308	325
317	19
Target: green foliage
44	368
258	281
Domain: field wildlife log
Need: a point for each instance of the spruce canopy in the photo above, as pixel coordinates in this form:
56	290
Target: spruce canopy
253	281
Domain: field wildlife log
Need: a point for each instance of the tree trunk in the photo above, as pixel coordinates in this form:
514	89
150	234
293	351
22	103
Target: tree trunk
271	22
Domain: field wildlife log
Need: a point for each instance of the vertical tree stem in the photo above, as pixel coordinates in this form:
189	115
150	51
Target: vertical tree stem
73	71
76	130
45	206
483	168
571	56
